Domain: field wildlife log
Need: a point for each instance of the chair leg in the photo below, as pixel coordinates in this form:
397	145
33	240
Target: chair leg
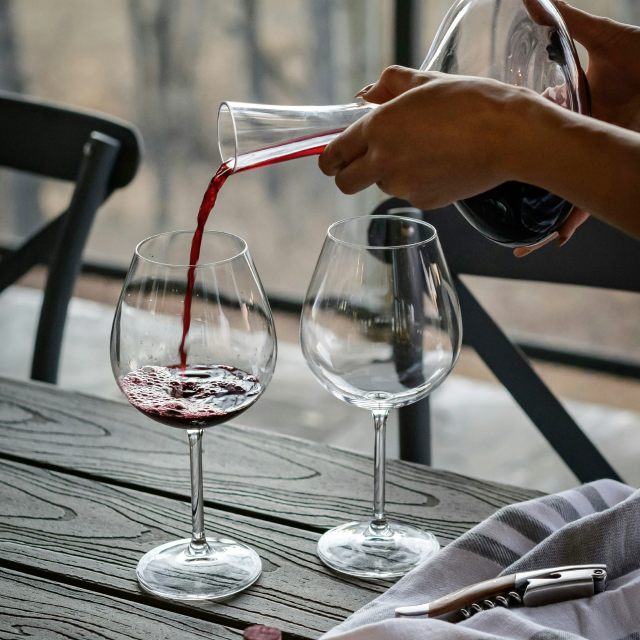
91	190
513	370
414	425
414	420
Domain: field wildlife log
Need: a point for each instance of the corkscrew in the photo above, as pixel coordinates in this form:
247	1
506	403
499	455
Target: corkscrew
528	589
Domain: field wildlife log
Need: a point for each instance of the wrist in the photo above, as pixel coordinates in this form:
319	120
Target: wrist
530	131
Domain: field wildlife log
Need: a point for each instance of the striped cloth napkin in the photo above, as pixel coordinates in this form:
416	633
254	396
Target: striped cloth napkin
594	523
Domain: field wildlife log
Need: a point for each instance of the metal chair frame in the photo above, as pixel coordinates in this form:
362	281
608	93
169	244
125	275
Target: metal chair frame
598	256
97	152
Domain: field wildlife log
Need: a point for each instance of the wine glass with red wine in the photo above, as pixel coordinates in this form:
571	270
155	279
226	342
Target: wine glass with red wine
193	347
381	330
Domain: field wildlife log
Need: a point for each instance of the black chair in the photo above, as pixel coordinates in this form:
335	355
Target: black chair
98	153
597	256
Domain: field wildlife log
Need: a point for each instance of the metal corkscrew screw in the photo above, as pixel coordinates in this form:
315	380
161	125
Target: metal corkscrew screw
528	589
487	604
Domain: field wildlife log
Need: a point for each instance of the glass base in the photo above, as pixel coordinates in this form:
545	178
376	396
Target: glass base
224	567
363	550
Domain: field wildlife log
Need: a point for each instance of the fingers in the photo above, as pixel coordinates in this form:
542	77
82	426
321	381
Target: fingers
355	177
590	31
364	91
394	81
577	217
342	151
539	13
352	143
521	252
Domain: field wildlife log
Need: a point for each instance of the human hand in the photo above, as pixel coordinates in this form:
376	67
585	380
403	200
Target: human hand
436	138
613	71
613	74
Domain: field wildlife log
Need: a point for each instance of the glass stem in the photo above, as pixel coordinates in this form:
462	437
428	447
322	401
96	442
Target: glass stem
379	522
198	545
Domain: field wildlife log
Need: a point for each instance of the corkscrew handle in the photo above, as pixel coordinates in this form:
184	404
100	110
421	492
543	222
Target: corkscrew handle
462	598
531	589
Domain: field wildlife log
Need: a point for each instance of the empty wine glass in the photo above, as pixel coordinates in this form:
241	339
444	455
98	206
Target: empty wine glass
380	329
227	361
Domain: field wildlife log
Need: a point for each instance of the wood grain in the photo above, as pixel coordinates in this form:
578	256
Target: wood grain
93	534
247	471
38	608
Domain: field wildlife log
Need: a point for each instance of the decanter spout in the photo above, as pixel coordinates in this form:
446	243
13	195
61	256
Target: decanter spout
256	135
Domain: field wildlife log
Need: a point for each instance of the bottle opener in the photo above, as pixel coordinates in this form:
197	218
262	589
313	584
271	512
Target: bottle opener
528	589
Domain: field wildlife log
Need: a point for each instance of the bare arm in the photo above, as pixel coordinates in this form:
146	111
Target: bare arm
591	163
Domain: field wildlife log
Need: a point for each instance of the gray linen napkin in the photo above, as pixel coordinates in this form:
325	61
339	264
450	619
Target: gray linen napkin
594	523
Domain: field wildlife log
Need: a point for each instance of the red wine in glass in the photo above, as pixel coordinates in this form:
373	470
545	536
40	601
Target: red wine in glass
515	214
195	397
234	358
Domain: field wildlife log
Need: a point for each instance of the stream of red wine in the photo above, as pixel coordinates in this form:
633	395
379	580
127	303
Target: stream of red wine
513	214
208	202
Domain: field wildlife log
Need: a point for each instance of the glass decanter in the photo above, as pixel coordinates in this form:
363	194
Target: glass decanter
523	43
519	42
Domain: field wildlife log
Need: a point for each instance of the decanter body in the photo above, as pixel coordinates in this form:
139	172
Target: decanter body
525	44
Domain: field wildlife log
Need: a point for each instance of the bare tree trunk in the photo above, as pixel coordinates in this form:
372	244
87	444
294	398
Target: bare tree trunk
258	63
632	12
24	188
167	36
322	56
264	71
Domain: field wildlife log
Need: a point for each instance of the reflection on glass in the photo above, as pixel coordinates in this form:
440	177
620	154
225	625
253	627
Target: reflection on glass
231	356
525	44
380	329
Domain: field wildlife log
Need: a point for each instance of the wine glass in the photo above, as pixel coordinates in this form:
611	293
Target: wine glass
380	329
228	358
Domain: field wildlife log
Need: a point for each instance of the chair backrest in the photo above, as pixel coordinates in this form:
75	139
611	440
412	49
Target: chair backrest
97	152
597	256
48	139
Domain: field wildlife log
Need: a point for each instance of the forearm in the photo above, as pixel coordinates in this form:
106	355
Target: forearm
592	164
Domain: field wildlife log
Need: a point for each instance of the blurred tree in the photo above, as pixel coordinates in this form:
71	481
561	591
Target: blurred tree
261	66
320	13
22	189
166	43
334	24
266	79
265	69
632	11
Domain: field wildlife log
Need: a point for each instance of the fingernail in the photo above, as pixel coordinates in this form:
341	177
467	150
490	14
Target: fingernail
521	253
364	90
562	241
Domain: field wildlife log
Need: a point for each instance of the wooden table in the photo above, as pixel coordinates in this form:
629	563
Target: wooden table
87	486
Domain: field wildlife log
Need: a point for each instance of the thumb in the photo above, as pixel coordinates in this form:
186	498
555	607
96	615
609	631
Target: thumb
394	81
590	31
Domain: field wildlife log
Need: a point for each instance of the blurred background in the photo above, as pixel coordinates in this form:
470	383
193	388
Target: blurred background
166	65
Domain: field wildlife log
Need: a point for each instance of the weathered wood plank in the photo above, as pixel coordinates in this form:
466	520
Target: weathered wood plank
38	608
78	529
251	471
